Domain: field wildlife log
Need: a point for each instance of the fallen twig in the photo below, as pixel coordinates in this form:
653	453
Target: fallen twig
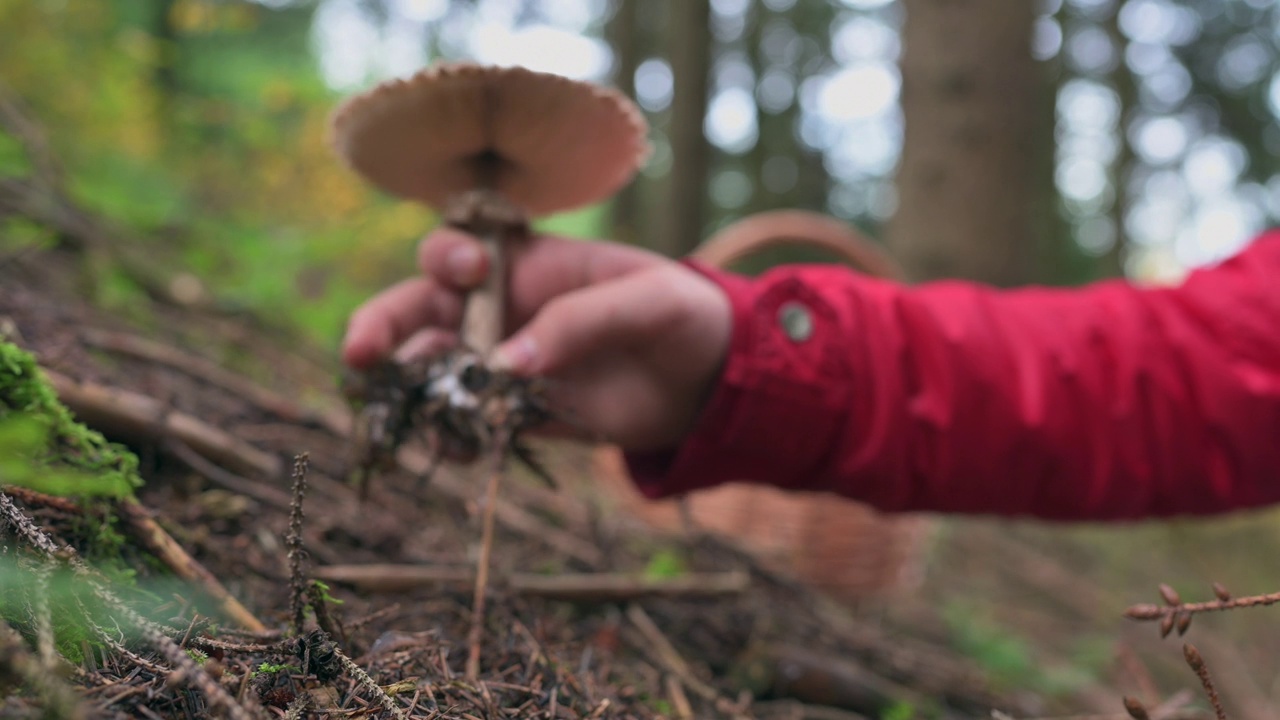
1196	662
214	374
666	653
1175	614
268	495
128	413
621	587
510	515
163	546
367	682
482	563
293	544
571	587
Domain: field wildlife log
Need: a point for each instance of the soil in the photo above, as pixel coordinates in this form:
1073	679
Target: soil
769	648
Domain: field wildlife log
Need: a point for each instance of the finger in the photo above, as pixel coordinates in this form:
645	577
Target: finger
427	342
381	324
579	324
453	258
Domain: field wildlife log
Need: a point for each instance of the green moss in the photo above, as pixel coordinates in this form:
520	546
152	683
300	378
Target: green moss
43	446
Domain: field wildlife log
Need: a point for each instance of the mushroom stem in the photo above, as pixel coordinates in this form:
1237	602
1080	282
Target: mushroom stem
496	222
483	319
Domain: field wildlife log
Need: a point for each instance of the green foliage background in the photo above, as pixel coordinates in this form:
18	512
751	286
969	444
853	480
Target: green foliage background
199	126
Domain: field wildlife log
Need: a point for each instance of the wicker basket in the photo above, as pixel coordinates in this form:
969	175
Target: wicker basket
838	546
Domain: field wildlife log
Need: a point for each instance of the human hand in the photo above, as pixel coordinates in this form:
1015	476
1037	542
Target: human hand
632	341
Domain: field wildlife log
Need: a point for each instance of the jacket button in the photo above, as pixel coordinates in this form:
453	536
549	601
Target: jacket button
796	321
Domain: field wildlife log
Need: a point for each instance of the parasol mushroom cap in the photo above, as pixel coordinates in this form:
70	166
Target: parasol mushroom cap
545	142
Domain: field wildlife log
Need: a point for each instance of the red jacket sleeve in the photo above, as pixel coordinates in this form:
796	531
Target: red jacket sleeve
1103	402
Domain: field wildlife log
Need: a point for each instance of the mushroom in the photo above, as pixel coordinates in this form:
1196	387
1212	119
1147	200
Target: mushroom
489	147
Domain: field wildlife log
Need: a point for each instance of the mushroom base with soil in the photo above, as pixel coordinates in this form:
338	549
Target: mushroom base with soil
456	404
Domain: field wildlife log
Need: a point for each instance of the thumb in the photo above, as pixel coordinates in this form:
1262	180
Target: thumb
576	325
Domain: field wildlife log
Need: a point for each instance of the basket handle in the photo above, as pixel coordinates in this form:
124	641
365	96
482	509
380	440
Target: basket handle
803	228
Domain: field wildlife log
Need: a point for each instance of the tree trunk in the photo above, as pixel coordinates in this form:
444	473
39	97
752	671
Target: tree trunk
967	181
623	34
684	217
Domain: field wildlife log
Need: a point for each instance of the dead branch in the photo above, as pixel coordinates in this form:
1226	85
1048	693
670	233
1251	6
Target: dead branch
121	412
338	423
821	678
665	653
268	495
162	545
1175	614
129	414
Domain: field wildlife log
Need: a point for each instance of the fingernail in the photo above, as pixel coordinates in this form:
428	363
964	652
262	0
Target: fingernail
463	263
515	355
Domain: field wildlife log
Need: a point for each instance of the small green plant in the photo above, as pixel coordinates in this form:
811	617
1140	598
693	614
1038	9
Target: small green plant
273	668
665	565
325	595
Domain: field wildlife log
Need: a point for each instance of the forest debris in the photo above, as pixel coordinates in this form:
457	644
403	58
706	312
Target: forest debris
185	668
679	700
383	578
569	587
217	376
121	412
619	587
511	516
1196	661
293	543
161	543
663	651
129	414
796	710
820	678
17	663
482	565
268	495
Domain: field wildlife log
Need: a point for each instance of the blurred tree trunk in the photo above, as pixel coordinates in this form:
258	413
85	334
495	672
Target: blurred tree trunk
1126	88
623	35
684	216
967	181
168	47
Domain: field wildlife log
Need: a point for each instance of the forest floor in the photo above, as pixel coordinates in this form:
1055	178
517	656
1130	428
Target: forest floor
1009	618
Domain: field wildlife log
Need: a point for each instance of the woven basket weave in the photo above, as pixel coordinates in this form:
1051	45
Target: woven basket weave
835	545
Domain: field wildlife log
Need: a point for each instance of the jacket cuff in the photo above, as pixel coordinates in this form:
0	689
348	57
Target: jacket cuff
782	398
